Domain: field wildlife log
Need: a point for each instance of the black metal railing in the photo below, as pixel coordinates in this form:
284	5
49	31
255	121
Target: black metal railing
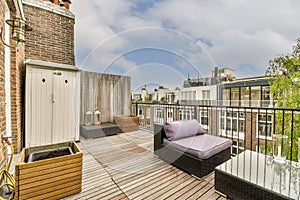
250	128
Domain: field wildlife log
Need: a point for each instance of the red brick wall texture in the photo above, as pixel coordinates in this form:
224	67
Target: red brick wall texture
52	37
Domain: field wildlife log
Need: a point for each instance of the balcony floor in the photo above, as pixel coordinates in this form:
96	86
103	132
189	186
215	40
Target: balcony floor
124	167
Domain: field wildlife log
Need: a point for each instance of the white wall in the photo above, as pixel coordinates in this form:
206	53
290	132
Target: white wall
199	89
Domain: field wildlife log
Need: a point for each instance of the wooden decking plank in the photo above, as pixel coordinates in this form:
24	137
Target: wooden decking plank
183	190
136	170
131	162
139	177
97	190
201	192
193	190
167	189
138	186
145	185
210	194
214	195
123	162
119	196
172	196
162	186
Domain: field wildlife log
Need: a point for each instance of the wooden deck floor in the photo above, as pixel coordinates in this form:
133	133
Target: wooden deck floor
124	167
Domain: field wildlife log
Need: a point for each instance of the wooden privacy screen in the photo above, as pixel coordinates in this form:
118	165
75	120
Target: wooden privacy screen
110	94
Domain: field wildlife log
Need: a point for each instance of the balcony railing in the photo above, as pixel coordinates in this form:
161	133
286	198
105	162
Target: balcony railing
250	128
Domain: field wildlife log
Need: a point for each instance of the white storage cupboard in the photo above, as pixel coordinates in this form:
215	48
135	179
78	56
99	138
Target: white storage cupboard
52	100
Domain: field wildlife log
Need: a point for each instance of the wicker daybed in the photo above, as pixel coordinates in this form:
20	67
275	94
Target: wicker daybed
197	154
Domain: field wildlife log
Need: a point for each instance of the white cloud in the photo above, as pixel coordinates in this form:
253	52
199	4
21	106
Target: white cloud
235	33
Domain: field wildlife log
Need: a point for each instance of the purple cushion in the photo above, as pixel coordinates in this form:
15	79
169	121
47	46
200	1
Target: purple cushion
181	129
201	146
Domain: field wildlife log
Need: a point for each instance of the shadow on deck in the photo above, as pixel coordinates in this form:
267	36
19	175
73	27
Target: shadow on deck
124	167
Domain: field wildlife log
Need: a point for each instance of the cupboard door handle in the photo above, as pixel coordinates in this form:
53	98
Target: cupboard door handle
53	97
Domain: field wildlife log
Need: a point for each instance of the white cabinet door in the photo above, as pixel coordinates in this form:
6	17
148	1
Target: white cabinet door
64	116
39	86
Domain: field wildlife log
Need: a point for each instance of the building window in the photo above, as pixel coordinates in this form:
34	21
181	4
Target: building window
237	147
265	96
255	96
186	114
264	126
205	94
188	95
226	97
140	111
235	96
232	124
245	97
170	114
204	119
159	115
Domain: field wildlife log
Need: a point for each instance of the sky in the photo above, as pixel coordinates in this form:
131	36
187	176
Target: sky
162	42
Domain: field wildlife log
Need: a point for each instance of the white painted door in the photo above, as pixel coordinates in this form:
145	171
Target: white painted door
50	106
39	87
64	116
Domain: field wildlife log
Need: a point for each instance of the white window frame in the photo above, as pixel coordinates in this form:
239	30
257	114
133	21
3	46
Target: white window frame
186	114
203	115
229	133
263	122
159	115
205	94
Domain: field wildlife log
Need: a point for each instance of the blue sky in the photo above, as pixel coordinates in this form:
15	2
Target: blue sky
160	42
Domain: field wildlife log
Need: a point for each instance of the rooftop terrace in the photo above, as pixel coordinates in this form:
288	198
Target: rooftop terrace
124	167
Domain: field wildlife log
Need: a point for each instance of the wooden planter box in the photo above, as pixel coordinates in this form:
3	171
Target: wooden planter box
127	123
51	178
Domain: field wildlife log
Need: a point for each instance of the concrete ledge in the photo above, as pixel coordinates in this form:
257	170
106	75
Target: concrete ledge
98	131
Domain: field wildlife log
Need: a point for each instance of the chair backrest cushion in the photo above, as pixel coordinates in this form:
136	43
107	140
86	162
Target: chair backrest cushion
181	129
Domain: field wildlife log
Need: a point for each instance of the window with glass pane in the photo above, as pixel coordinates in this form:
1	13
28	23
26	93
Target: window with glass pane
140	111
148	112
205	94
226	96
241	126
170	114
159	113
235	96
245	97
233	123
265	125
204	118
255	96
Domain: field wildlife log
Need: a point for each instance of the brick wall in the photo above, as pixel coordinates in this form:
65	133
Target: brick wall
17	74
2	91
16	71
52	37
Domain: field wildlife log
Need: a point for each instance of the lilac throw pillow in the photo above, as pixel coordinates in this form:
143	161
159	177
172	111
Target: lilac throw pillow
181	129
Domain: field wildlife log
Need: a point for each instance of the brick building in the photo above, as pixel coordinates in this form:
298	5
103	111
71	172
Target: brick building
52	40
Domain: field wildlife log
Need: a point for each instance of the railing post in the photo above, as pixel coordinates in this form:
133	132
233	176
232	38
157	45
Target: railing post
195	113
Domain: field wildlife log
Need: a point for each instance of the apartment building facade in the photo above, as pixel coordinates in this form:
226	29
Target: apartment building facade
238	109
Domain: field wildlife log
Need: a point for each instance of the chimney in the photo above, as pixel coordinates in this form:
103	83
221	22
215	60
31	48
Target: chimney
65	3
216	72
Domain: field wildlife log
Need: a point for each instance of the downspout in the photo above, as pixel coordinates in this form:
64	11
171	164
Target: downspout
20	5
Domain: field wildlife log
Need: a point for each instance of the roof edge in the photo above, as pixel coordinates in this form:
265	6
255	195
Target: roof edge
51	65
